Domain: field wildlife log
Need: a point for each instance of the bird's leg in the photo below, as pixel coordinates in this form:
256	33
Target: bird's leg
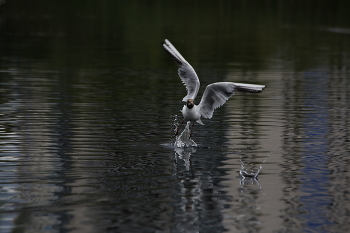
191	130
177	131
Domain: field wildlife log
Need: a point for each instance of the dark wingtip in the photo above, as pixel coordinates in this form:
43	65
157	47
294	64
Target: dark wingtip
173	57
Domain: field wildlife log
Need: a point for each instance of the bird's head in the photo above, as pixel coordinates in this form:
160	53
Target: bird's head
190	103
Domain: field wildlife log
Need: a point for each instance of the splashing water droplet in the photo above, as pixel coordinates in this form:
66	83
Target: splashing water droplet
174	123
183	139
251	173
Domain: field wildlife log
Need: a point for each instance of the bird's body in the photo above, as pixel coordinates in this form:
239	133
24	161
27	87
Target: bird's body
214	96
192	114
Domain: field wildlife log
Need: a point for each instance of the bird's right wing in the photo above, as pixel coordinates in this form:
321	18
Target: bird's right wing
251	88
187	74
216	94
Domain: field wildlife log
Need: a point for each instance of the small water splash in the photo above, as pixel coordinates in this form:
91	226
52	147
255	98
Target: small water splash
248	174
183	139
174	123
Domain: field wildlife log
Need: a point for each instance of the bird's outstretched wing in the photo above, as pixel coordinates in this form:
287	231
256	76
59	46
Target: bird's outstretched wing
251	88
186	72
216	94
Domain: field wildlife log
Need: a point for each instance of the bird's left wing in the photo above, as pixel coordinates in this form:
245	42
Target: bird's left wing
215	95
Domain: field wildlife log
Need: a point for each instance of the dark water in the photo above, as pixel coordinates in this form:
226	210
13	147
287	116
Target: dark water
88	99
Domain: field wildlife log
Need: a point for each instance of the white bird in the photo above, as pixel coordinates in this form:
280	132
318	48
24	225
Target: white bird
215	94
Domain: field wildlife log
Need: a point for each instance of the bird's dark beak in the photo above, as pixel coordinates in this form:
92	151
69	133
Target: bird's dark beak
190	103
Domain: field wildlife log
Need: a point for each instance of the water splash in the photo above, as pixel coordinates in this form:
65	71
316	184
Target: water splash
183	139
174	123
248	174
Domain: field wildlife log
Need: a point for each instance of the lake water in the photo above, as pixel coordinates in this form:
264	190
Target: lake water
89	100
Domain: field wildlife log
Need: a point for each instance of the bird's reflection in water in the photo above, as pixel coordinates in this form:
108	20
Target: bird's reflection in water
200	198
189	184
184	154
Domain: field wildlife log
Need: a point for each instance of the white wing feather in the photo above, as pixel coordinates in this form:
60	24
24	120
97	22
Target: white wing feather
216	94
187	74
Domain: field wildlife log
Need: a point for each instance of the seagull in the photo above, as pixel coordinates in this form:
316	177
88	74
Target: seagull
214	96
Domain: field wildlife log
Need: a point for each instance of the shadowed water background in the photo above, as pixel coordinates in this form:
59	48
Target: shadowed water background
89	99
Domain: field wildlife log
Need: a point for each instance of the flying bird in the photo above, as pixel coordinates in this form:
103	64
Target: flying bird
214	96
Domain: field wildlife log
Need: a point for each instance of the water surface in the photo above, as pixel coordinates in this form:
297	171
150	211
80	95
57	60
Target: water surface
89	98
